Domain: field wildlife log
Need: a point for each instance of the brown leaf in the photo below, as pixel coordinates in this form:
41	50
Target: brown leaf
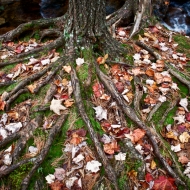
68	103
111	148
57	185
150	72
89	180
183	159
2	105
137	135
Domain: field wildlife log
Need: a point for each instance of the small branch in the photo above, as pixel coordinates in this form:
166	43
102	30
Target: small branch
9	139
132	115
153	111
109	170
149	49
40	158
14	97
14	167
6	83
118	62
26	134
138	95
53	45
180	76
50	93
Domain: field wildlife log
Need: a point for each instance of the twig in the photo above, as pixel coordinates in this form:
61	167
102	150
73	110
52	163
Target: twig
153	111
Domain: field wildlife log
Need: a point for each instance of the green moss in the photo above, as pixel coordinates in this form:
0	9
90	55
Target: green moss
122	182
83	72
183	44
16	177
159	113
169	118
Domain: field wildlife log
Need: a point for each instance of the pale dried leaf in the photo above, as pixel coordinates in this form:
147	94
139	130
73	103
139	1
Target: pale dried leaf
50	178
93	166
100	113
56	106
120	156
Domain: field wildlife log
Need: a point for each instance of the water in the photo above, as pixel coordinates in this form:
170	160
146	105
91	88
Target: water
178	17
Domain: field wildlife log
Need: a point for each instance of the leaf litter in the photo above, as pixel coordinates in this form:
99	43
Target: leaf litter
81	164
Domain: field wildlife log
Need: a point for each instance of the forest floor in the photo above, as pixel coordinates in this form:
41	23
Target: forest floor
158	91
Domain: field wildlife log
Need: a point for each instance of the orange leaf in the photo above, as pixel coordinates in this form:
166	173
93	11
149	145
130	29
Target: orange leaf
69	103
137	135
111	148
2	105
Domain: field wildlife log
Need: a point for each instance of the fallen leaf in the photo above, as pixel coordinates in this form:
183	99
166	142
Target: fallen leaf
68	103
57	185
79	158
13	127
184	137
153	165
56	106
120	156
148	177
2	105
164	183
171	135
7	159
176	148
187	116
67	69
180	119
137	135
59	174
50	178
79	61
111	147
93	166
184	103
32	87
70	182
100	113
183	159
97	89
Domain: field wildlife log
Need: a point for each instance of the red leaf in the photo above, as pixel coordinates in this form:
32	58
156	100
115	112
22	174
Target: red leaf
153	29
164	183
97	89
187	116
148	178
119	86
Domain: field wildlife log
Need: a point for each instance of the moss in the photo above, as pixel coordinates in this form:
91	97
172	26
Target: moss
183	44
159	113
16	177
169	118
122	182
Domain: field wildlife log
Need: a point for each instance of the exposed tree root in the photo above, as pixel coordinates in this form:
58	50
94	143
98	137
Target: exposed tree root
109	170
26	134
153	111
132	115
40	158
35	24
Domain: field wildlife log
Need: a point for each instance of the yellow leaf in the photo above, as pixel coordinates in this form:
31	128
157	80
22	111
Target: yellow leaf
153	165
184	137
170	135
105	56
31	87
